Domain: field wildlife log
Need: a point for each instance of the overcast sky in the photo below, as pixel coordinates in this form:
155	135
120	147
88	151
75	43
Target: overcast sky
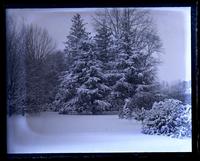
173	26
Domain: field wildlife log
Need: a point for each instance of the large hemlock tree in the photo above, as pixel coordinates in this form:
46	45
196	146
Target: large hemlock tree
77	45
77	40
83	87
136	47
103	45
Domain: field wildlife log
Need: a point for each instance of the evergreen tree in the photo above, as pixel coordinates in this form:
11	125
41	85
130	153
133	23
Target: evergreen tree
136	60
76	40
103	42
75	49
82	88
105	51
92	93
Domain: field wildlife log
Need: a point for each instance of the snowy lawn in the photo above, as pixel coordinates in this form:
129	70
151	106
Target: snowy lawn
53	133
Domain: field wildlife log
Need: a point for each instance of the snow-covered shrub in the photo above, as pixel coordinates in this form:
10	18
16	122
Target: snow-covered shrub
169	117
142	99
139	114
145	99
142	103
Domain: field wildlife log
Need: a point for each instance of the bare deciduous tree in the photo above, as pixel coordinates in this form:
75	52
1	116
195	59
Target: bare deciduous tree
141	26
38	43
27	49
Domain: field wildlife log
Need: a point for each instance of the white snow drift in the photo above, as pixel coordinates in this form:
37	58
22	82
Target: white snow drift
52	133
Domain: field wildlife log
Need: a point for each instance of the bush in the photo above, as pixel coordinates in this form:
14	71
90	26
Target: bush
144	100
138	104
169	117
139	114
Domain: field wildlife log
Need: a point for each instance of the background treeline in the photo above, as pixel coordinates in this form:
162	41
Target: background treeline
33	67
112	68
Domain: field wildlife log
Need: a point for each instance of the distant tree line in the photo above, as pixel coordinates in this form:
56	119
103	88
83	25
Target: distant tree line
33	68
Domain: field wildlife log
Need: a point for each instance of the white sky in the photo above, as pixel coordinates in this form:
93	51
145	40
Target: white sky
173	26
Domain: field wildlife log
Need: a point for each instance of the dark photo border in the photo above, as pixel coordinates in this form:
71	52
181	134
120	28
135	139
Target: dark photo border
103	3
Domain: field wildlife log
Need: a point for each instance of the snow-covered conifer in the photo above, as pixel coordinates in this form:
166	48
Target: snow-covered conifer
103	42
76	40
83	87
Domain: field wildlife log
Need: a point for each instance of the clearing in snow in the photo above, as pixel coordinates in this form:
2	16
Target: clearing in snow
49	132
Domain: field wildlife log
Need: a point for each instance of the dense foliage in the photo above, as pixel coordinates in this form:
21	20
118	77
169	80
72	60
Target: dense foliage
169	117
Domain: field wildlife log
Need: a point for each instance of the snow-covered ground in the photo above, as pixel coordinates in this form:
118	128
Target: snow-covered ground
53	133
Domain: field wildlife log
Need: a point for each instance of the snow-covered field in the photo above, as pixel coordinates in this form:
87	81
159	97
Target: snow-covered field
53	133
